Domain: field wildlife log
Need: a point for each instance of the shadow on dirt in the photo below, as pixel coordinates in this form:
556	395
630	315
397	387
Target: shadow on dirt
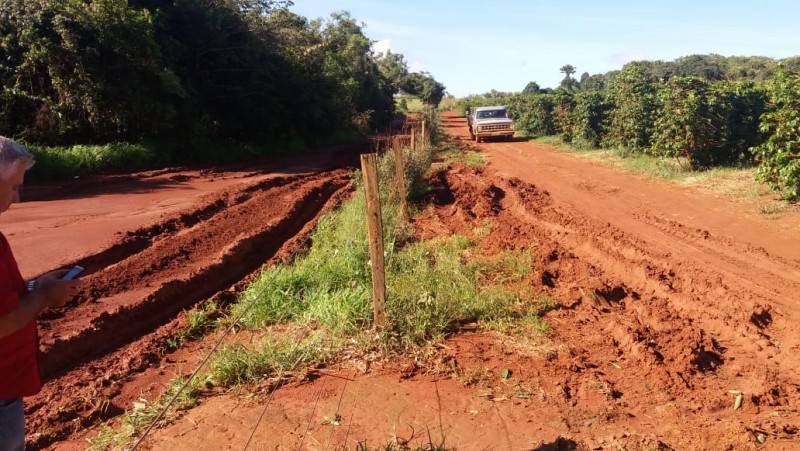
560	444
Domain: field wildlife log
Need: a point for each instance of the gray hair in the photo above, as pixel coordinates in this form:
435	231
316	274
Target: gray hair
12	153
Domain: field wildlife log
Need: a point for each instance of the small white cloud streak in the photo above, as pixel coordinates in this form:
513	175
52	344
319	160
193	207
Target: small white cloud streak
382	46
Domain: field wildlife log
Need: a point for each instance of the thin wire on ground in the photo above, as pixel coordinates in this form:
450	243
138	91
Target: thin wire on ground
219	341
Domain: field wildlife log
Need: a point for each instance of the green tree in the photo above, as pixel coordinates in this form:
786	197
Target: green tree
589	118
568	83
394	68
65	65
424	86
531	88
588	82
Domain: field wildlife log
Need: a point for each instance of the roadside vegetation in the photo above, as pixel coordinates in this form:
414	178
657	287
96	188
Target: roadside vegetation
110	86
687	116
318	308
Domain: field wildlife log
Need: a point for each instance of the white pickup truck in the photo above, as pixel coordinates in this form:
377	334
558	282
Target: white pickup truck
490	122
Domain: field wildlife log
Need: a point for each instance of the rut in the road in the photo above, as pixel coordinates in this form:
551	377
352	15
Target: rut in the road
645	324
136	289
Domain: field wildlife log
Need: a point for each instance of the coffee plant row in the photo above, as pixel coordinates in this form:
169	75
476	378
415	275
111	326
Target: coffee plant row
700	123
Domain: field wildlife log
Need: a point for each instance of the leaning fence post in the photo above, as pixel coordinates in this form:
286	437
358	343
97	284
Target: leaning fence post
369	171
400	178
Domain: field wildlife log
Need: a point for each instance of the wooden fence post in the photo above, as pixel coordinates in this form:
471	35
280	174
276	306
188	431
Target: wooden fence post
422	138
400	178
369	171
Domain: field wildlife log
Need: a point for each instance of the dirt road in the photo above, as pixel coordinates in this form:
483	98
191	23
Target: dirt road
153	245
676	326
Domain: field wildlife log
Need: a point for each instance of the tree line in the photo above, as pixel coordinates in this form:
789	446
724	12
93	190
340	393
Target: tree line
703	110
189	71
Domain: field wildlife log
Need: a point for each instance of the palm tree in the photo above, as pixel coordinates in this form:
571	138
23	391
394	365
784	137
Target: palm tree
568	81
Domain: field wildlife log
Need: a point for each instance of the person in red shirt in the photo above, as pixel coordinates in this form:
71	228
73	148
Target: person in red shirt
20	303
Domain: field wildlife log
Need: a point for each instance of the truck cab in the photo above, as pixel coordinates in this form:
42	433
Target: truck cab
490	122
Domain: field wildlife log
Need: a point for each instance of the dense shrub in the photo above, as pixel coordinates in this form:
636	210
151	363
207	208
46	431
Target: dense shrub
590	118
216	71
708	124
635	104
562	114
682	122
533	114
735	109
779	155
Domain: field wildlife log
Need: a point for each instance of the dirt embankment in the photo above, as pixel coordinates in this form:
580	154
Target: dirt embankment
109	346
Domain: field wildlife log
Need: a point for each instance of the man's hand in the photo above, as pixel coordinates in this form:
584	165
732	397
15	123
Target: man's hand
54	290
50	290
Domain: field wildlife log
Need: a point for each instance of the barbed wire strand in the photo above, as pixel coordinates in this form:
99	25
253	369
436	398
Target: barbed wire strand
271	394
336	415
219	341
310	418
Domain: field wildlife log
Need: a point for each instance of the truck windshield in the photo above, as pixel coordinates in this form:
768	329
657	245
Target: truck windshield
489	114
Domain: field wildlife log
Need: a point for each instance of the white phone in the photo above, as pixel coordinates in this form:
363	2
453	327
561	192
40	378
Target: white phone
73	272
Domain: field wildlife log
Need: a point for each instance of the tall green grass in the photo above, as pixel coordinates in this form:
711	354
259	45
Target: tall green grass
58	163
431	285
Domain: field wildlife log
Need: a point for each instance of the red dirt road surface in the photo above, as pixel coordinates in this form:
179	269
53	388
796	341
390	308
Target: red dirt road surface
153	245
672	304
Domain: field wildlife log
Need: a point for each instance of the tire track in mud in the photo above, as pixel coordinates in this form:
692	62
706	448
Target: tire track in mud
648	328
136	289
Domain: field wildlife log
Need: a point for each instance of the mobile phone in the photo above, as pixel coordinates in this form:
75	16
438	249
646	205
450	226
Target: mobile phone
73	272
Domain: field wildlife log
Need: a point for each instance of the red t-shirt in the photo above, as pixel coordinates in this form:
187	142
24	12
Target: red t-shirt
19	367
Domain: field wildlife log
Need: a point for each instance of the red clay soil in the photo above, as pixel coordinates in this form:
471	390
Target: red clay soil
672	303
153	245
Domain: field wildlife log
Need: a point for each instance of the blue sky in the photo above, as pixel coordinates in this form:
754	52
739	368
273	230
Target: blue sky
474	46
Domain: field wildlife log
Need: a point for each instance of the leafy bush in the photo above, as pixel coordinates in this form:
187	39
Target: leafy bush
533	114
735	108
635	102
562	114
590	117
709	124
779	156
682	123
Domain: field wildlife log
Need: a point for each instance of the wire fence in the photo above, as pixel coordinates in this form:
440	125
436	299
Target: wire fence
413	137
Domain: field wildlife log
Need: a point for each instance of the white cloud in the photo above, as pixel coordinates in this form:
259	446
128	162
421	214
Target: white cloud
380	47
